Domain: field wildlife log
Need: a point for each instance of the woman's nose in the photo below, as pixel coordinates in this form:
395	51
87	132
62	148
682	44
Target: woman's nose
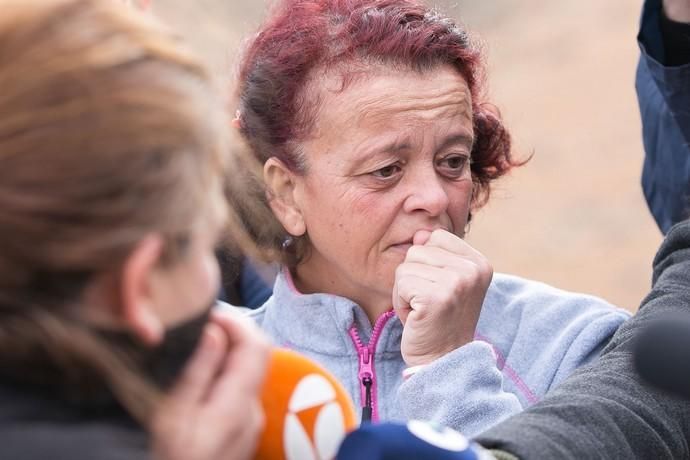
427	194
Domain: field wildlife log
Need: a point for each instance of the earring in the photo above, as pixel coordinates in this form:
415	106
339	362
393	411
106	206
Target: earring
291	252
287	245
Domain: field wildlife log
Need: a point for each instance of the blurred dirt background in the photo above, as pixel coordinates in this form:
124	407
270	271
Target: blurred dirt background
562	73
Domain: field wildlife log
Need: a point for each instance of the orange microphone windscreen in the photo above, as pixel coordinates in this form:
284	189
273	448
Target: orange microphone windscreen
308	412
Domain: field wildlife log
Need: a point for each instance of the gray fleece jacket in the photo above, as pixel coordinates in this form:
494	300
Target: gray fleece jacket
529	338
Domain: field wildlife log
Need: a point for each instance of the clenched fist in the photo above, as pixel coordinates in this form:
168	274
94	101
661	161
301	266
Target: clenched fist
438	294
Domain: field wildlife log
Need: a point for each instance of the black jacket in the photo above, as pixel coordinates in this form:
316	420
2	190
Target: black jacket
38	424
605	410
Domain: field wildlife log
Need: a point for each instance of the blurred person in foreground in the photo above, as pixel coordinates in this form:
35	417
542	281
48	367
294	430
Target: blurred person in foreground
605	410
113	152
377	143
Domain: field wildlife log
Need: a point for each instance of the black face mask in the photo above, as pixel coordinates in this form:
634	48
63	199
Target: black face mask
163	363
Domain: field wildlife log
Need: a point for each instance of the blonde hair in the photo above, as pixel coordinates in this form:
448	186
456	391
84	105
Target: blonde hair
110	130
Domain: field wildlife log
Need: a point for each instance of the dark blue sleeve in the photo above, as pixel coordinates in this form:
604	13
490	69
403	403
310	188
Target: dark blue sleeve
255	289
664	98
414	441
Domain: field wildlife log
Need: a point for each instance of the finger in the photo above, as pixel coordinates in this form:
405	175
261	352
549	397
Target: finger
422	270
254	425
409	276
244	437
247	358
198	376
446	288
450	242
400	306
421	237
461	274
443	258
417	293
240	329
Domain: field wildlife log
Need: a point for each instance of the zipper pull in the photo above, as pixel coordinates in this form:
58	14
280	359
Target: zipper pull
367	409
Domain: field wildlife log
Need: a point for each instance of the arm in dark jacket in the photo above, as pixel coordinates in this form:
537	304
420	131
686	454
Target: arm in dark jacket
664	98
604	410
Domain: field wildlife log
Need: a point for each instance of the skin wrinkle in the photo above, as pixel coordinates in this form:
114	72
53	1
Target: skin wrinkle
376	156
380	101
428	107
416	109
379	97
353	218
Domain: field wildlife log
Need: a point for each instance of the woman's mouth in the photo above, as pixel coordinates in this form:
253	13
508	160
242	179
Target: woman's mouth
402	247
405	245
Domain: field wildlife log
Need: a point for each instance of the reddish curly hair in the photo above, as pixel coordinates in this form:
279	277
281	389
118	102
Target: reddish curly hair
303	39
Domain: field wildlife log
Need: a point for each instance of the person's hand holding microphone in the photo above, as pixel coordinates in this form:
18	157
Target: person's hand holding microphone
214	410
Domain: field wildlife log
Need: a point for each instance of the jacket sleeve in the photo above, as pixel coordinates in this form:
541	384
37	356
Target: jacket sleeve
462	390
604	410
664	99
530	337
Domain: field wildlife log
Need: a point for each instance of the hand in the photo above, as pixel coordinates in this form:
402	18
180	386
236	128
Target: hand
677	10
214	412
438	294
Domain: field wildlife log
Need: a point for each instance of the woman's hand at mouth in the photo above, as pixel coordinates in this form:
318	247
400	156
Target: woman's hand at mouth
438	294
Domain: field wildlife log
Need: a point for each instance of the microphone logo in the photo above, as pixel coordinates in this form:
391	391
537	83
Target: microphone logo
308	412
315	423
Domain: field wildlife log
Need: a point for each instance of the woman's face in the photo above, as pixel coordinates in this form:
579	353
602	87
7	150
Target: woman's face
389	156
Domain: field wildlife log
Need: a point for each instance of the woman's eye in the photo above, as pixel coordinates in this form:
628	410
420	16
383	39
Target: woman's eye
387	171
454	165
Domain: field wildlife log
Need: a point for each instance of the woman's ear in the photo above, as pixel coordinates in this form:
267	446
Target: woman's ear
281	185
138	292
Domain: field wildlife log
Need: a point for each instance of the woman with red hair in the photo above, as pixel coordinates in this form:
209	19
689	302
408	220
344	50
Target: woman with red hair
377	144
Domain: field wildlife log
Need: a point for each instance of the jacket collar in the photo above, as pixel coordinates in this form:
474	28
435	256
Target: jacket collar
321	322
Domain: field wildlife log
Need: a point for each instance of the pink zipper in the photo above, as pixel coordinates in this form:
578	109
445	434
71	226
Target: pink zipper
367	374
